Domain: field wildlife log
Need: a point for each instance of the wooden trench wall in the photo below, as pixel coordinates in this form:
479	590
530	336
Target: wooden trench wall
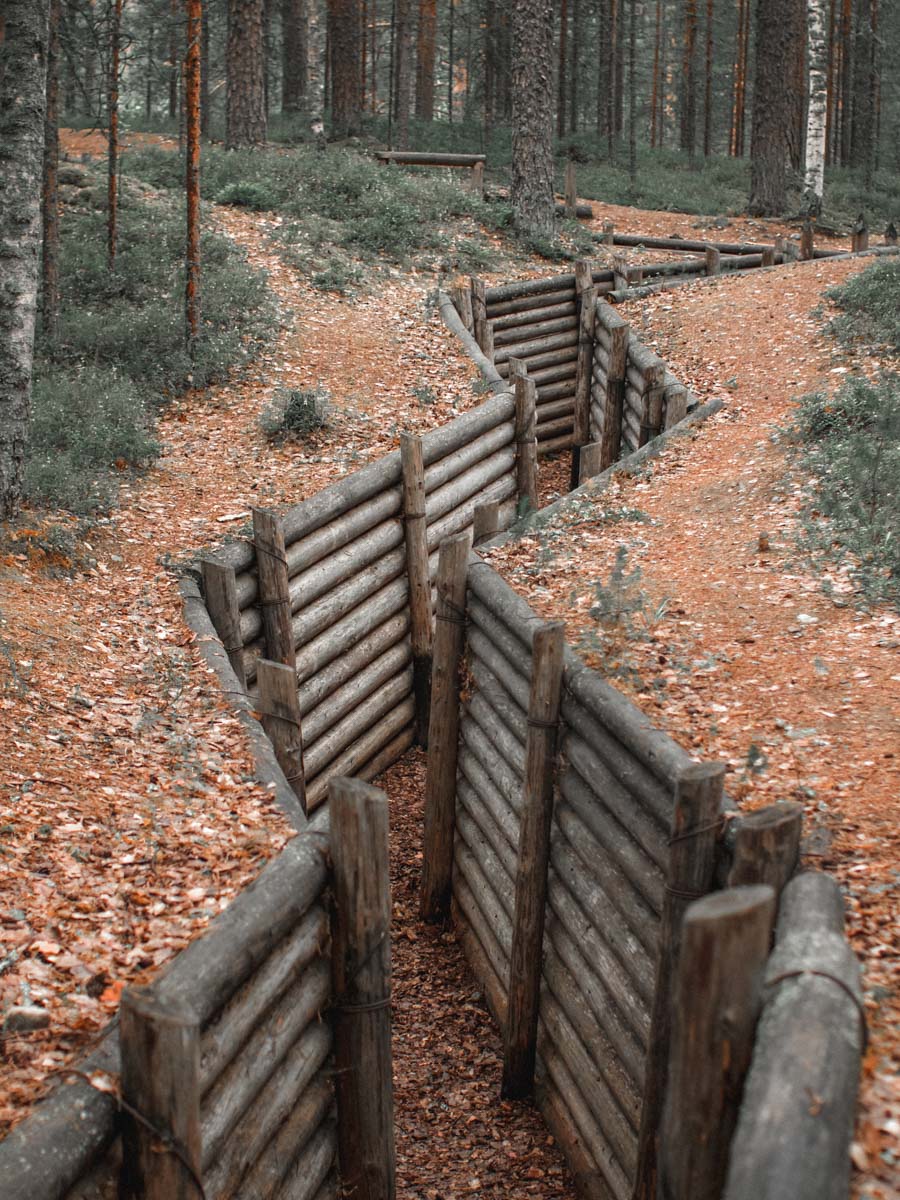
227	1053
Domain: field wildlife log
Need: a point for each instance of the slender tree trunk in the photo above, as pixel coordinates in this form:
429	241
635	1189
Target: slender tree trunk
403	70
294	54
688	83
654	92
112	178
615	80
563	59
204	72
245	101
346	100
148	75
50	193
795	32
863	84
577	34
373	55
532	149
818	106
772	112
846	80
831	56
192	170
425	55
603	72
619	92
23	97
708	83
174	59
632	94
451	57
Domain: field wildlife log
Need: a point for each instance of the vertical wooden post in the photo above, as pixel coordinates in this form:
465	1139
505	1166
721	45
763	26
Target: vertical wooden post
526	957
609	234
479	311
589	461
611	438
890	234
768	256
620	272
571	193
274	589
713	261
476	183
160	1080
279	707
220	597
416	525
526	443
462	299
767	845
806	240
586	300
716	1001
485	521
361	979
692	859
654	395
443	733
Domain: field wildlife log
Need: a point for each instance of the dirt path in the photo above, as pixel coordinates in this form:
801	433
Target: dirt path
750	661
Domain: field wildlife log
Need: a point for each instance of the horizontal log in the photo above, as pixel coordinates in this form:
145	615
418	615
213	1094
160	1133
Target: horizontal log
465	429
305	1119
228	1031
534	316
533	332
387	755
562	390
582	211
555	445
548	410
472	481
530	304
454	324
536	287
244	1078
457	520
357	658
678	243
101	1181
318	755
311	1166
536	347
481	948
351	628
553	430
290	1095
421	158
563	372
355	692
361	751
549	358
459	461
204	976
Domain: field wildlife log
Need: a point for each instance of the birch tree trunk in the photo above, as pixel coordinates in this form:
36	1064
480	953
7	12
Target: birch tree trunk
815	121
23	72
532	148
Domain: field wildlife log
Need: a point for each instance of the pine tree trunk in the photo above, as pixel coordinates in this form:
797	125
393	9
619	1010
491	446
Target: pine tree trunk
451	57
707	95
192	171
772	112
573	66
563	59
795	32
603	60
688	86
346	100
245	101
532	91
814	172
615	80
50	190
174	59
23	97
112	174
403	70
204	72
654	92
294	54
632	94
846	80
863	85
425	52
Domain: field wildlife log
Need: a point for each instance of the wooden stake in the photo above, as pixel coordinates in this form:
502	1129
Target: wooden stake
653	398
621	280
611	438
526	442
890	234
361	979
713	261
860	234
479	311
443	733
609	233
526	956
485	521
416	524
806	240
571	194
692	859
462	300
767	846
476	182
274	590
160	1080
768	256
280	713
220	597
589	461
587	309
717	999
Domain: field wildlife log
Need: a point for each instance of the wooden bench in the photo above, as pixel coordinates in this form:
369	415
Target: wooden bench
415	158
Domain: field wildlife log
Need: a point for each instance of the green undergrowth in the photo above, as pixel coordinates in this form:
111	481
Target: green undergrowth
870	308
121	353
849	443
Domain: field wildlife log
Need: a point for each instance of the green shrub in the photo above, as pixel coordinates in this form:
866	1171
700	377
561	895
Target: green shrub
293	415
247	195
850	444
87	427
871	307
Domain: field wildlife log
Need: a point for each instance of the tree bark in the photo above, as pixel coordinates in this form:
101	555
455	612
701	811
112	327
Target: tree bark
772	112
863	128
816	117
204	72
402	70
294	54
563	58
112	179
192	170
50	192
708	87
532	154
23	77
425	48
346	96
688	125
245	105
577	38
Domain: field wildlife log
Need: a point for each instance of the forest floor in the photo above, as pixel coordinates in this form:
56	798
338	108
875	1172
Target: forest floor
130	815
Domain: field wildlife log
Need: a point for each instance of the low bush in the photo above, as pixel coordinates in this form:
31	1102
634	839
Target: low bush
850	445
247	195
293	415
870	308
